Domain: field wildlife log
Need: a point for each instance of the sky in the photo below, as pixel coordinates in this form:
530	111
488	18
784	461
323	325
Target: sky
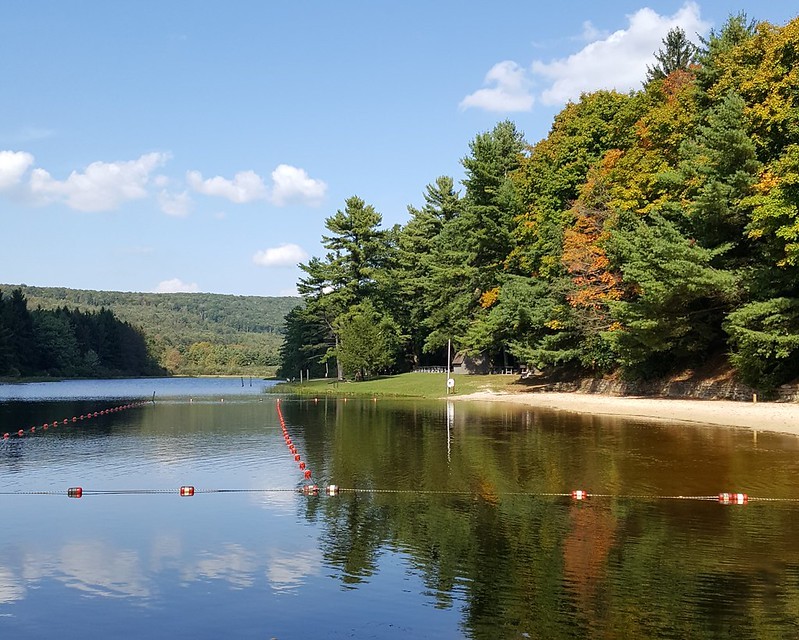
199	146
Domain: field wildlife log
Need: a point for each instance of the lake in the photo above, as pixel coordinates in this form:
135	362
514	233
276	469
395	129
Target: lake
453	520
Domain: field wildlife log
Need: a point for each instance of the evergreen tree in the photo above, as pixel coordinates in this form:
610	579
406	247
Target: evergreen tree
417	248
22	339
368	341
358	251
469	256
719	169
678	52
6	353
668	317
764	340
305	344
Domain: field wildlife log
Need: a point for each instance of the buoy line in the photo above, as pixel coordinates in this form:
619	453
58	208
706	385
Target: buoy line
10	436
290	444
577	495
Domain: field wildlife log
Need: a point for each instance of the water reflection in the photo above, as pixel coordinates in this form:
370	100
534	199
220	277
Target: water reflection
451	523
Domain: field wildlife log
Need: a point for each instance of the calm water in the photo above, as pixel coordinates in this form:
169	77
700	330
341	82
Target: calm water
443	529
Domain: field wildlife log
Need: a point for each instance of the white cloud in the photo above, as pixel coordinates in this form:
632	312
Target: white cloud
177	204
618	61
511	90
13	165
286	255
103	186
292	183
246	186
176	285
288	184
615	61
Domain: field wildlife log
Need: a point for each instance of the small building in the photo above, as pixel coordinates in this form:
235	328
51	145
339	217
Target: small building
463	363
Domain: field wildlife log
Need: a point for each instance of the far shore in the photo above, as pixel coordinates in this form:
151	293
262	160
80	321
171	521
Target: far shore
758	416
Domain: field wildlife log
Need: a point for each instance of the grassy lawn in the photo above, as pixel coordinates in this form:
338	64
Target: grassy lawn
411	385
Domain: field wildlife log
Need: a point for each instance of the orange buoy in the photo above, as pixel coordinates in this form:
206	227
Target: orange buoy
296	457
187	491
307	474
20	433
5	436
302	466
74	492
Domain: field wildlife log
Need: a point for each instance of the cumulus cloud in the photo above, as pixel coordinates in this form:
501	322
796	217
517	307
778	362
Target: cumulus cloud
615	61
245	186
510	90
176	285
174	204
286	255
288	184
103	186
618	61
13	165
294	184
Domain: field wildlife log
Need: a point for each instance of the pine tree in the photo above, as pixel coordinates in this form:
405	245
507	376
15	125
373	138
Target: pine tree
358	254
418	249
678	52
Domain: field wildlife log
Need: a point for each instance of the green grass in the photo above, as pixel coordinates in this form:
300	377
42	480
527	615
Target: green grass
409	385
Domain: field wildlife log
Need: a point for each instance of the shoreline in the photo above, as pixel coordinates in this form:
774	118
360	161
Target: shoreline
761	416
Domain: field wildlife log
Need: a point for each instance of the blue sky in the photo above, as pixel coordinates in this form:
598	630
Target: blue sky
199	146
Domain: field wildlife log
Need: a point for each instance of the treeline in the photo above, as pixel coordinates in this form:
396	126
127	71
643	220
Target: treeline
66	343
648	233
186	333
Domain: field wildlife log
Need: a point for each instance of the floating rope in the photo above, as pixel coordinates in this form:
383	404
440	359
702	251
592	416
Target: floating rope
291	446
578	495
21	433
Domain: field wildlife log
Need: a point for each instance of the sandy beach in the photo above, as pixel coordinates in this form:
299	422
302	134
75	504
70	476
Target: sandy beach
760	416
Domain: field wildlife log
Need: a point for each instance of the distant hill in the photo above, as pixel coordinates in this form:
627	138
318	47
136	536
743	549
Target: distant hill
188	333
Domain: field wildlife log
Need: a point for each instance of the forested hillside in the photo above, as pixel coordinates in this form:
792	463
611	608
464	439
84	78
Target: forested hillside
185	333
646	234
67	342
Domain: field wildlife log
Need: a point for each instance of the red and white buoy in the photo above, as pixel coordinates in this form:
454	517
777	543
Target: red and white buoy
579	494
733	498
187	491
